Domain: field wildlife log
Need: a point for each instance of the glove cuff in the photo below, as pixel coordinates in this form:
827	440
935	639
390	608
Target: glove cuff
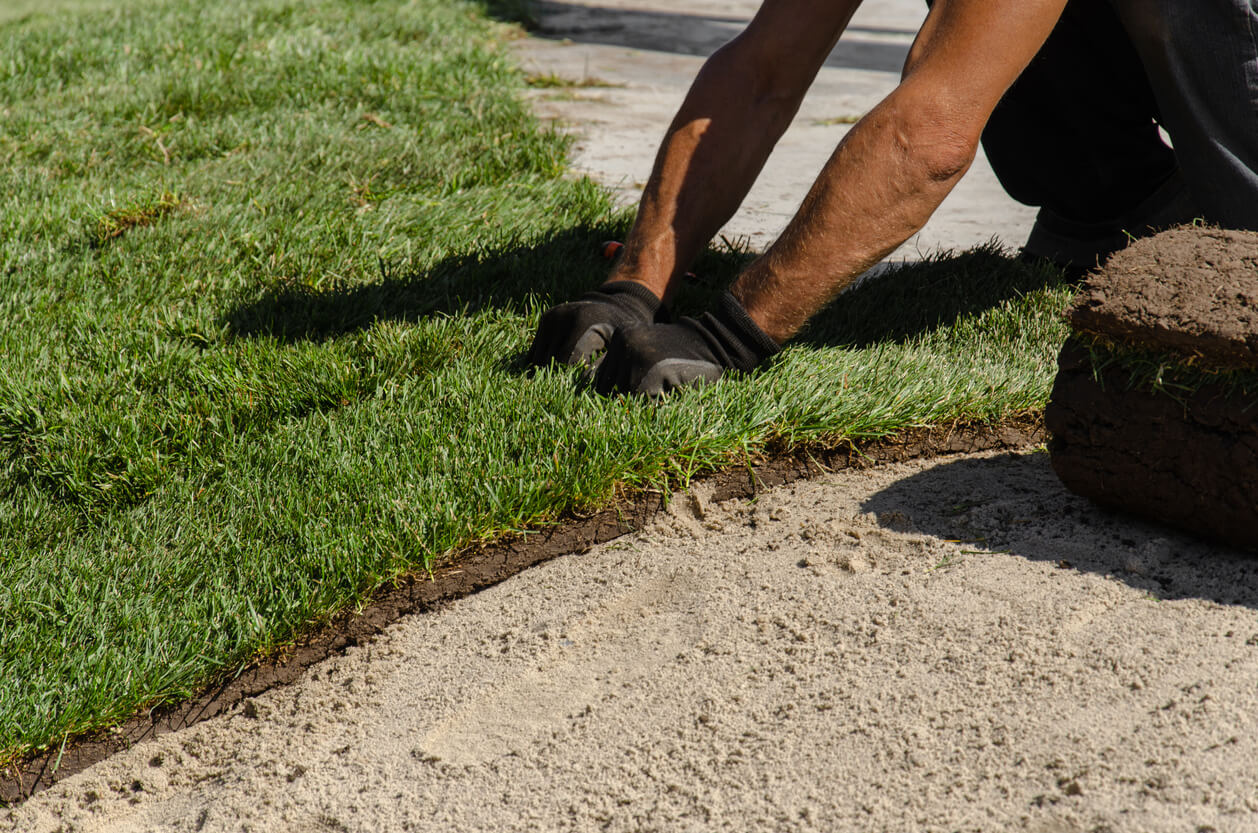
630	294
754	345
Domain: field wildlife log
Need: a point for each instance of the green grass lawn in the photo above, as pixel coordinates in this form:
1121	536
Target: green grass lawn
266	271
11	10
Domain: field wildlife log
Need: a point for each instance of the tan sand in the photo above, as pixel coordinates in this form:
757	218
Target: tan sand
952	645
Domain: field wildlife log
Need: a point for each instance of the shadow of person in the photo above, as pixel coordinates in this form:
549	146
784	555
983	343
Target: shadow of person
900	304
906	301
512	278
688	33
1014	503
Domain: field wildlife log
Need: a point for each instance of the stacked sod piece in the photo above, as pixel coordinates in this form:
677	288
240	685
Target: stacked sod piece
1155	406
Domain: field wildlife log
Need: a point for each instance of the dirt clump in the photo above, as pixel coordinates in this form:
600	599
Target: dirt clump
1155	407
1191	291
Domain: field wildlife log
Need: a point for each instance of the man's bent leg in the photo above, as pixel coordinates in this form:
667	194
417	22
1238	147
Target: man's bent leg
1202	60
1076	136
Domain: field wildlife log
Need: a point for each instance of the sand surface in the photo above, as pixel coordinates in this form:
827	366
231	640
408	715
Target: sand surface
947	645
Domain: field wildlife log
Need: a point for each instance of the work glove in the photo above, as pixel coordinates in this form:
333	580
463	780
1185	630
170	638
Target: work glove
573	332
653	359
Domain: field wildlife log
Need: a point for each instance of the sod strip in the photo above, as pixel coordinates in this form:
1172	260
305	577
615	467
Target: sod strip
267	272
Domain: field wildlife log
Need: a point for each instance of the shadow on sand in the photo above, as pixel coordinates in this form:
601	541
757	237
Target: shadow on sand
1014	503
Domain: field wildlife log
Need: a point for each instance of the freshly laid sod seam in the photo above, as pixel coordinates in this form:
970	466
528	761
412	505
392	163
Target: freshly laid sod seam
241	415
550	80
118	221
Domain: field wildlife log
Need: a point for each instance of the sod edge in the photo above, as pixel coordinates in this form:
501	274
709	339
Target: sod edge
484	565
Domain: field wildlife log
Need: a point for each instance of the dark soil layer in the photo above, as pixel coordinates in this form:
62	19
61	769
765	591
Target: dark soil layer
1190	462
485	566
1191	291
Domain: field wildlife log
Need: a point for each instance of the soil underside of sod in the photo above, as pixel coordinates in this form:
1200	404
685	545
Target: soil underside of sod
486	565
1189	460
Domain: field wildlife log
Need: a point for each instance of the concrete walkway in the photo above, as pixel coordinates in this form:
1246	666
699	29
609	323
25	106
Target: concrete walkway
650	50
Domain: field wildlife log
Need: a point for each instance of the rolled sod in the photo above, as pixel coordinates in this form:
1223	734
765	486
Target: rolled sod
1155	407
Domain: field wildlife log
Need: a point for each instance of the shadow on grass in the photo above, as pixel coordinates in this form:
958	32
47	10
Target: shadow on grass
897	306
512	279
1015	504
919	297
508	279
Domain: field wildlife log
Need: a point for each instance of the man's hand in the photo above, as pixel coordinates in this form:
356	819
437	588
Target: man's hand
571	333
653	359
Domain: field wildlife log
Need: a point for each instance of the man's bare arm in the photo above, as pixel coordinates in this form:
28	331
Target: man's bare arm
736	110
897	164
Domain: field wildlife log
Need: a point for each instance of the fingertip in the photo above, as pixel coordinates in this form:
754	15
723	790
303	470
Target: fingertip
603	382
538	354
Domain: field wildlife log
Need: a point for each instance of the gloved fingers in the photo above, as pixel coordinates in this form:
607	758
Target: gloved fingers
593	340
589	370
609	376
653	360
568	334
540	352
547	340
574	332
669	374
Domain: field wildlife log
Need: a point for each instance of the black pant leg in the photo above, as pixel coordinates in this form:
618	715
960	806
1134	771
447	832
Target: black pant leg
1075	134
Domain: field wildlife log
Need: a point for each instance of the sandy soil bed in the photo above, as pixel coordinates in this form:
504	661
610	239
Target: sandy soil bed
951	645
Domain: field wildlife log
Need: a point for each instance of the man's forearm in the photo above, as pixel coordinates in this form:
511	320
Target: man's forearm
898	163
742	101
713	152
879	187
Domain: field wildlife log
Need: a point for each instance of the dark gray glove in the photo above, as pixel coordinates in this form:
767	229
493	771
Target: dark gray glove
570	333
653	359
